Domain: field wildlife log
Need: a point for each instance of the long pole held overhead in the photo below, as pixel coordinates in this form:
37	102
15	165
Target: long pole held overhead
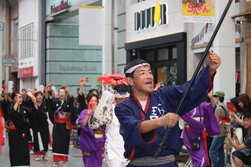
179	111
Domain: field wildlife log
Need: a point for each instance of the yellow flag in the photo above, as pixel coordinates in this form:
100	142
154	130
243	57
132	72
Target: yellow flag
157	13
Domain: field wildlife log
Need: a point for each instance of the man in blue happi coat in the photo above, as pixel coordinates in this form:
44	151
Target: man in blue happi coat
146	115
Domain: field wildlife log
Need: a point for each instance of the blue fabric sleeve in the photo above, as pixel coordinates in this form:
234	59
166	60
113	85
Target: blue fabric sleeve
198	92
129	128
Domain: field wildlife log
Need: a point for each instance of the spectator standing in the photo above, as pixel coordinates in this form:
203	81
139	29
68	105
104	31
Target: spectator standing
216	151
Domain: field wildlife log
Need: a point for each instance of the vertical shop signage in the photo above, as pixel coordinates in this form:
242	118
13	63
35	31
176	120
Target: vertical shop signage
148	18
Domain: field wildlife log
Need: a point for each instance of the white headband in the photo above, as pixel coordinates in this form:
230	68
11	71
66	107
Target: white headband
119	96
130	70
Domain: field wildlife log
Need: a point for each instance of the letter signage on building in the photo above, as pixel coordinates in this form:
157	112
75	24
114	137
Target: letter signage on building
150	17
61	6
9	62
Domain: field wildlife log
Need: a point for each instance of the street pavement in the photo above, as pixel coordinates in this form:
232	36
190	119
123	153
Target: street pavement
75	158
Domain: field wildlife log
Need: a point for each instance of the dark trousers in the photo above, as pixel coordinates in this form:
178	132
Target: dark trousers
44	133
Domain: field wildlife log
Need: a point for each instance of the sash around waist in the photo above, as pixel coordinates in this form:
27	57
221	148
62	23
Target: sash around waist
61	120
9	125
149	161
62	115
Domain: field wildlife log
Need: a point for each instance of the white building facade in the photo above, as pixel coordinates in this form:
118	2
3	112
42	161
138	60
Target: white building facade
168	45
28	28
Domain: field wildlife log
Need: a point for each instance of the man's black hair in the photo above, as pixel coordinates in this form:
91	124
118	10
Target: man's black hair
121	88
13	95
90	95
235	102
220	98
247	115
131	64
94	90
37	93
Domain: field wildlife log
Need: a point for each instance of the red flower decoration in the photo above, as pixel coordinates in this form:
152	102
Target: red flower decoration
64	86
224	118
49	85
113	79
231	107
84	79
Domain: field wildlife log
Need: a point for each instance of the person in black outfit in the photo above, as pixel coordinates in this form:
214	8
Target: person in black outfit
18	125
40	127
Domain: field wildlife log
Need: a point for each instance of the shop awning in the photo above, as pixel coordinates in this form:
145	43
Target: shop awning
245	14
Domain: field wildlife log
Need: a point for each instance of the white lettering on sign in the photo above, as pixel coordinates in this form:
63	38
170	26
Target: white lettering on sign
148	18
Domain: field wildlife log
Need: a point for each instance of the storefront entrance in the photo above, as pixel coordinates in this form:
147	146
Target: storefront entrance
167	56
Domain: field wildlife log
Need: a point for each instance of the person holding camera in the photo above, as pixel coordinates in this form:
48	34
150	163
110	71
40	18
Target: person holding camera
216	151
242	155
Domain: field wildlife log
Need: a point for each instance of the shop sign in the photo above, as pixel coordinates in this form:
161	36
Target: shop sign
9	62
148	18
25	72
61	6
201	11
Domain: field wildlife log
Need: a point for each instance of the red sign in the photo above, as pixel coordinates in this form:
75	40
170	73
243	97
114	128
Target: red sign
63	5
25	72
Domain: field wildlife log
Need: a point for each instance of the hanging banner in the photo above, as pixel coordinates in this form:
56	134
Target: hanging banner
201	35
198	11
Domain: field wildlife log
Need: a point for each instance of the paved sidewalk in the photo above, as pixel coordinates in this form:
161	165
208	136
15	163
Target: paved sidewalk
75	159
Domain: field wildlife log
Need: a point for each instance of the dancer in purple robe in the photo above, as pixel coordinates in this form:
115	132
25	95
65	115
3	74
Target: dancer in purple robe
200	122
91	140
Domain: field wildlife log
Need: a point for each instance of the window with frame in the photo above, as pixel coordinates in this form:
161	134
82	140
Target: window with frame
26	41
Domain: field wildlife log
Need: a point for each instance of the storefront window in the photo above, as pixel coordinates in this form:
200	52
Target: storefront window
163	54
174	55
150	55
166	56
167	75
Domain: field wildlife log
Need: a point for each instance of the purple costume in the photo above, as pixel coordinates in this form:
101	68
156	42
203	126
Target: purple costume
91	141
206	124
